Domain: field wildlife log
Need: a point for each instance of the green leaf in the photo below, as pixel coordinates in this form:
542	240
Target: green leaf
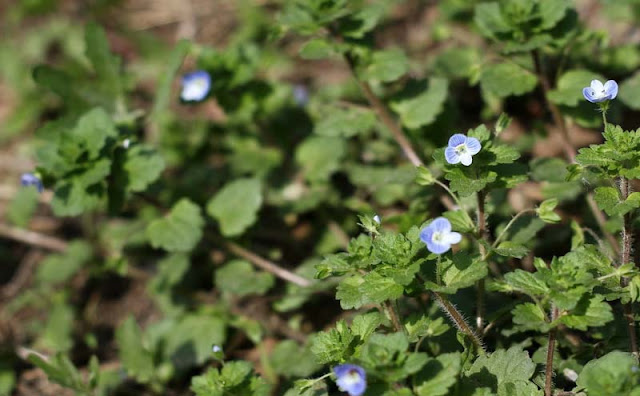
568	91
180	230
546	213
422	106
386	66
137	360
22	206
289	351
240	278
60	267
459	272
424	177
60	369
490	20
608	200
530	316
364	325
188	339
460	220
527	282
320	156
590	312
630	91
509	365
507	79
466	185
511	249
106	65
57	332
348	293
438	375
336	121
316	48
90	134
377	288
334	345
608	375
143	166
236	206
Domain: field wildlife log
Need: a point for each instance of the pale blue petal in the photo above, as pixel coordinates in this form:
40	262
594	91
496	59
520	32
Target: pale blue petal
589	95
440	224
456	140
611	89
473	146
426	234
438	248
451	156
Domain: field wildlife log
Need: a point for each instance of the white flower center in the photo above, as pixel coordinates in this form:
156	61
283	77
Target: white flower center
437	237
461	149
352	377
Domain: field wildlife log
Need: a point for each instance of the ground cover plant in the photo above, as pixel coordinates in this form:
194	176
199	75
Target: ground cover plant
319	197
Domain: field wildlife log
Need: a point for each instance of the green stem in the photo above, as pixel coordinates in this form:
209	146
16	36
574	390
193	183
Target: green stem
509	224
446	188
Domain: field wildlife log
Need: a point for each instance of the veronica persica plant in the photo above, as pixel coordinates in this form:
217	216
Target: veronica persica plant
438	236
29	179
351	379
598	92
461	149
195	86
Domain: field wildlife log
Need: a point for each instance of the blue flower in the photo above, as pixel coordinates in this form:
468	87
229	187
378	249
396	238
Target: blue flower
351	379
29	179
596	92
461	148
438	236
195	86
300	95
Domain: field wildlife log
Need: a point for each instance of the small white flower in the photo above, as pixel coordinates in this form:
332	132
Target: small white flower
376	218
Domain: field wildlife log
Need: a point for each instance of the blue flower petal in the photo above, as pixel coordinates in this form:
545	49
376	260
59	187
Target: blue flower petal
438	248
611	89
351	378
589	95
473	145
29	179
456	140
441	224
451	156
195	86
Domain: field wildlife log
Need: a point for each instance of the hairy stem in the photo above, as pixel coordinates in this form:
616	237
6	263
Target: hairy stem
393	314
567	147
483	234
459	320
551	346
625	257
